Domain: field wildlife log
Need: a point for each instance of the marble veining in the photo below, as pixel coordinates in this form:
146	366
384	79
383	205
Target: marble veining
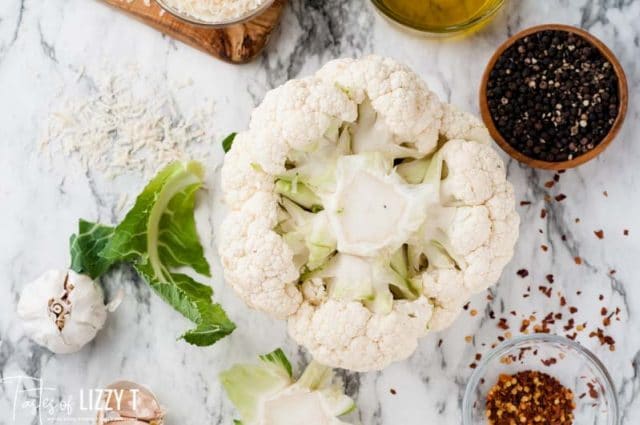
45	45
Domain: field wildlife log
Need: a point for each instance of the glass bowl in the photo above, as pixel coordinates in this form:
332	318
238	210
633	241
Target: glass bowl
486	12
221	24
575	367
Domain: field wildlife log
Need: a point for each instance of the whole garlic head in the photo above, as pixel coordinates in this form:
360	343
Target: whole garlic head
62	310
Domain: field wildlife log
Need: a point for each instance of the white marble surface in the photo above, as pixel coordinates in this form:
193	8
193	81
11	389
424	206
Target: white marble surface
43	45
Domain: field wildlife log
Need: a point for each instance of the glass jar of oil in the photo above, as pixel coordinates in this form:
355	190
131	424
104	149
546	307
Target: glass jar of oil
439	17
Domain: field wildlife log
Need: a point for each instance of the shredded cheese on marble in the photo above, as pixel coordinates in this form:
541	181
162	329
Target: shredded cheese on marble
121	129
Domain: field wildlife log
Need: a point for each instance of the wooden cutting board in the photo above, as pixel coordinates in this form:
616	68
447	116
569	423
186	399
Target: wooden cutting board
235	44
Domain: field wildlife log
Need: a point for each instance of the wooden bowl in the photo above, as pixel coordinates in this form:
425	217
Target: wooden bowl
623	95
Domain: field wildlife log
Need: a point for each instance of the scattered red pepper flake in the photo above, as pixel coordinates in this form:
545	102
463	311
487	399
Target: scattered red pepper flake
577	260
525	203
560	197
599	234
543	213
544	248
556	178
523	273
577	220
549	184
606	194
550	278
573	310
393	392
626	232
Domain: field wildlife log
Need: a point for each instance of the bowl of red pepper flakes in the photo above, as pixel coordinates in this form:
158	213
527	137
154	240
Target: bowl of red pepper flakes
540	379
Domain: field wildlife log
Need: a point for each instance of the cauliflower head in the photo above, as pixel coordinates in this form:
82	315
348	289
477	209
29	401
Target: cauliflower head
364	211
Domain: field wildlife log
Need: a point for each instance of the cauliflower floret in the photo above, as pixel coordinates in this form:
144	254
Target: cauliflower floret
239	178
445	287
348	335
457	124
297	115
473	172
349	220
408	109
257	261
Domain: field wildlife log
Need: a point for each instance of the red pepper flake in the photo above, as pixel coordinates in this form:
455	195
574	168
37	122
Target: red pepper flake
573	310
612	272
604	339
577	220
543	213
440	343
478	357
563	301
541	231
578	292
626	232
577	260
599	234
525	203
593	393
466	306
549	362
502	324
556	178
544	248
393	392
525	325
492	314
603	311
564	238
549	184
550	278
601	297
473	365
561	197
569	325
606	194
523	273
529	397
545	290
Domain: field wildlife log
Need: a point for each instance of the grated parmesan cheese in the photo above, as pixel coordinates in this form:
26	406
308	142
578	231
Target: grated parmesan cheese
129	124
215	11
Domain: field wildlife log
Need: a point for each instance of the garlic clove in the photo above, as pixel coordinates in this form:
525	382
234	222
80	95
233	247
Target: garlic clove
137	407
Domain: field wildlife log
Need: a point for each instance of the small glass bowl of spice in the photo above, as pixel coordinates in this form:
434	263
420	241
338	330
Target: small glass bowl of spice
215	13
540	379
553	96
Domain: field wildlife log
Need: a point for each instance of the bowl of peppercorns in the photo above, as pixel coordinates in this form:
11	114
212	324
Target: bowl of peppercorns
553	96
540	379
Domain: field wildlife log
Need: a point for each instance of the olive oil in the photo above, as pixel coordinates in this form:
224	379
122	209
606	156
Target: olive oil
438	14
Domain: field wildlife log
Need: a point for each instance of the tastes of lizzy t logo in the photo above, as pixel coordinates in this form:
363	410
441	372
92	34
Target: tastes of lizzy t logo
26	401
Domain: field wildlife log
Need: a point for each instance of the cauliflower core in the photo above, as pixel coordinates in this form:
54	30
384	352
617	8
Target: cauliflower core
364	211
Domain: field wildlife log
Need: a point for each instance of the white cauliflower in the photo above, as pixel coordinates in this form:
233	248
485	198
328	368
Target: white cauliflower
364	211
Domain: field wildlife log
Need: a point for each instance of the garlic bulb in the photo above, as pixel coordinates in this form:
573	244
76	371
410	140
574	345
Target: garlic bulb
133	405
62	310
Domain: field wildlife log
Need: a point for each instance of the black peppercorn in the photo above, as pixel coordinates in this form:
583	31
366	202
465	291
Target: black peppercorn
553	96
